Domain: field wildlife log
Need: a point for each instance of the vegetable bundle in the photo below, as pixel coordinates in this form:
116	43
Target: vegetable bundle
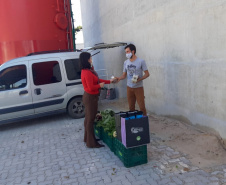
106	120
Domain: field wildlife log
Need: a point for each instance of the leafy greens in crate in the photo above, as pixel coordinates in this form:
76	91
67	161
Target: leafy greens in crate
107	122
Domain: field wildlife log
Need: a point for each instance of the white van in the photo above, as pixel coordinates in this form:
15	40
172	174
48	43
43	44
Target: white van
43	84
39	85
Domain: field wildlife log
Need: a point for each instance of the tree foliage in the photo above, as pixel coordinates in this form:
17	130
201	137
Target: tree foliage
78	29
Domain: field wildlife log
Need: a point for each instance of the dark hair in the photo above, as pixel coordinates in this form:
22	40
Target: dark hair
131	47
83	58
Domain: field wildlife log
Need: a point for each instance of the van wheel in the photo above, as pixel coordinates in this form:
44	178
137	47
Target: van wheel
76	108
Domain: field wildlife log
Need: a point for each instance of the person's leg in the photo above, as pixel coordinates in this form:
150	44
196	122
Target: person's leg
93	106
131	98
85	132
85	100
139	93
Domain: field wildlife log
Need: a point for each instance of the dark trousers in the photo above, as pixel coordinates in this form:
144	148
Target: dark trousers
91	105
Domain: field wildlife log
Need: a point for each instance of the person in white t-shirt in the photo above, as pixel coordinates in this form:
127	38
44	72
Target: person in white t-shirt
136	71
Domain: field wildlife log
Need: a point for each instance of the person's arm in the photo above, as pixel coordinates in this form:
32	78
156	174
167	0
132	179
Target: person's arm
146	74
105	81
145	69
121	77
124	73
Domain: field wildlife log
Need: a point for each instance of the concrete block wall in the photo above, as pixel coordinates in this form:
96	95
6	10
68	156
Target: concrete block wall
184	45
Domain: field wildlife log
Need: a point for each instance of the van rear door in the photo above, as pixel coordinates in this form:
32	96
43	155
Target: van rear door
104	46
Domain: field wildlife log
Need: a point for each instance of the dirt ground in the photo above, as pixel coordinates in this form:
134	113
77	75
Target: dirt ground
204	148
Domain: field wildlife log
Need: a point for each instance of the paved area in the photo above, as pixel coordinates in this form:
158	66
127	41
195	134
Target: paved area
50	151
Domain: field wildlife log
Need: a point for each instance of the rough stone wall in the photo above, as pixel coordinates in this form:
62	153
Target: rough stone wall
184	45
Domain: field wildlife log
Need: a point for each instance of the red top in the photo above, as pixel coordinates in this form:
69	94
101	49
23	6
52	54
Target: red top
90	82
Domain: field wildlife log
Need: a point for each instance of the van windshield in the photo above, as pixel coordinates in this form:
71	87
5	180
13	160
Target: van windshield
13	77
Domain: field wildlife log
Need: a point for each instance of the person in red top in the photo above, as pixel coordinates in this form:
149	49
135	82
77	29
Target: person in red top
92	85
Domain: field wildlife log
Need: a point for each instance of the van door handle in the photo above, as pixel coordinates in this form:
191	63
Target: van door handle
23	92
38	91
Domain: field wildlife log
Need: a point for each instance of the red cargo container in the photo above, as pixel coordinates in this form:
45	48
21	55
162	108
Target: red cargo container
34	25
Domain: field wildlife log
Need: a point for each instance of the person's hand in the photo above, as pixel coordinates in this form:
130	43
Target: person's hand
112	80
101	84
117	79
138	79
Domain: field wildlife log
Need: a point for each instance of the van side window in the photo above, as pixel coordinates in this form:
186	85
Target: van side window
72	69
13	78
46	73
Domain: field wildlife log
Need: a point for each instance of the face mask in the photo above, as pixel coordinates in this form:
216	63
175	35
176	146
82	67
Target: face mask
91	64
129	55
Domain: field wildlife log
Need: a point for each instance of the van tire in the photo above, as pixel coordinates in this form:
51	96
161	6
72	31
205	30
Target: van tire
76	108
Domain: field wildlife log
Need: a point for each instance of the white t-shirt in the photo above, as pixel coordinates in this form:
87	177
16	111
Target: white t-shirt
136	67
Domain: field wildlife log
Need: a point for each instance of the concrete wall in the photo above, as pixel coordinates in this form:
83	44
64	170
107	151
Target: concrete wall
184	45
79	45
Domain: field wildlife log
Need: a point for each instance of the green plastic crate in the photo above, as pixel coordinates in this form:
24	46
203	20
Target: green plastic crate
108	140
98	131
130	156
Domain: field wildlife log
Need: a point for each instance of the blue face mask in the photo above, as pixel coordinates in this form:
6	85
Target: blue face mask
129	55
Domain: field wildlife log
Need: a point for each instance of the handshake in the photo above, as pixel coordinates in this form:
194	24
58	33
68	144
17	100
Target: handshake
114	79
